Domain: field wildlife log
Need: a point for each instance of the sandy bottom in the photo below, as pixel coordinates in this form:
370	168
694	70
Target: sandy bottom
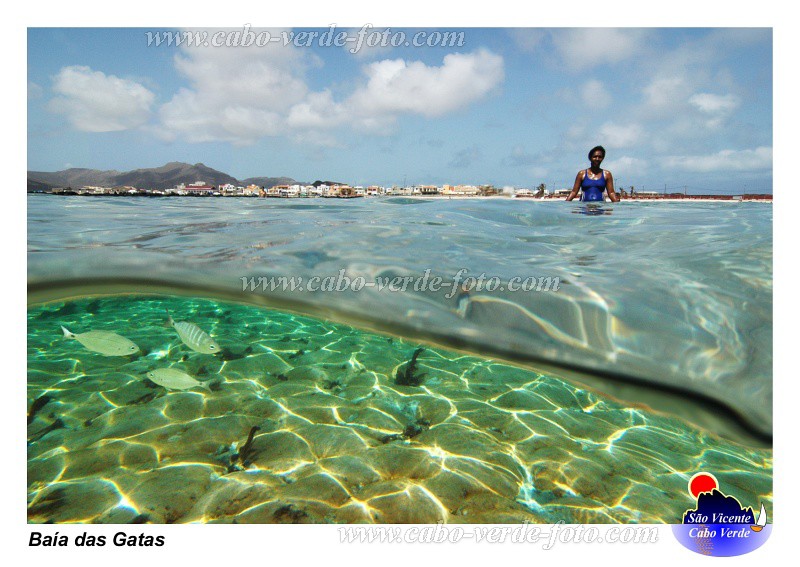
338	439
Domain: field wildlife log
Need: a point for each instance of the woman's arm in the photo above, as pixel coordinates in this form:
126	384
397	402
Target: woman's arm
576	186
610	187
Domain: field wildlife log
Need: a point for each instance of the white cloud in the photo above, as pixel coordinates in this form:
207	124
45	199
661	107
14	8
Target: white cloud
714	104
318	110
235	94
625	166
395	86
730	160
581	48
670	98
595	95
620	136
690	93
664	92
241	95
716	107
678	82
380	44
95	102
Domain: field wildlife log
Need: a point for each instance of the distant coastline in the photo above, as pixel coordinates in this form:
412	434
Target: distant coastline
754	198
199	180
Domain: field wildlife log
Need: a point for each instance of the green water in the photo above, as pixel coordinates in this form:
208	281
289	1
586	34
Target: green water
338	440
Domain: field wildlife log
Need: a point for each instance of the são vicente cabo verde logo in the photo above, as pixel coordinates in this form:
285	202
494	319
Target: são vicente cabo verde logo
719	526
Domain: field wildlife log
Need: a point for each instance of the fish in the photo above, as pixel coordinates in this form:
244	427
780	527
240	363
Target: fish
409	375
246	454
104	342
194	337
57	424
173	379
37	404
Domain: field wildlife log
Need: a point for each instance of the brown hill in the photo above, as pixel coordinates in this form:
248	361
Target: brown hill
163	177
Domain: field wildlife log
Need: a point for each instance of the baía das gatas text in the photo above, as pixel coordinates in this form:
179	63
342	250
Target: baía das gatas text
120	539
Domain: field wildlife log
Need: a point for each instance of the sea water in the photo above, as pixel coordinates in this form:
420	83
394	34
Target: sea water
546	405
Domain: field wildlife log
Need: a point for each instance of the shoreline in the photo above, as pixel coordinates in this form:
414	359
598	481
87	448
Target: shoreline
721	199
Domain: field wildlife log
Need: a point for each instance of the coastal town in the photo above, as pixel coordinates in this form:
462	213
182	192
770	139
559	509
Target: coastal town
345	191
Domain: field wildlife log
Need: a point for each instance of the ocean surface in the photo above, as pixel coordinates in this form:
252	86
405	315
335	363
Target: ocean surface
634	350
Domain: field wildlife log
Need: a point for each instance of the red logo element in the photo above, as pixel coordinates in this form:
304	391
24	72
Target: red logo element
702	482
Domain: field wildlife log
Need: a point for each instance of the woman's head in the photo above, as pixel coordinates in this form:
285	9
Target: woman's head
600	149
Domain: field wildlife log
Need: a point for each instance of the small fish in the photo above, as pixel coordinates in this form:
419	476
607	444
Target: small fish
38	404
173	379
194	337
409	375
246	454
57	424
104	342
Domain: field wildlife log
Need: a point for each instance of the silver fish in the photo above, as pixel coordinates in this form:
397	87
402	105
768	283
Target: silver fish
173	379
104	342
194	337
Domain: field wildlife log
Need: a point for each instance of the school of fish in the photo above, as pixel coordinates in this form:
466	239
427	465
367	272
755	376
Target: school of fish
112	344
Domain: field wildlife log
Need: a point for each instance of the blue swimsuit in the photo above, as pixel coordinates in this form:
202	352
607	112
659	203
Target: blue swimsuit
593	188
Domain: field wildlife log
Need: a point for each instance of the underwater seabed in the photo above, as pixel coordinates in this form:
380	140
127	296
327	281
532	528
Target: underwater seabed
307	421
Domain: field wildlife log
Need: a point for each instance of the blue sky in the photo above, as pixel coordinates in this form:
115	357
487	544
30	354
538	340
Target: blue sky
674	107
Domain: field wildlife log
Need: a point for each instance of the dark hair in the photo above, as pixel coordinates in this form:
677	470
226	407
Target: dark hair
594	149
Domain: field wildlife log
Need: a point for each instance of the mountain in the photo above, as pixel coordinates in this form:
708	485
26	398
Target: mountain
38	186
75	177
267	181
317	183
163	177
171	174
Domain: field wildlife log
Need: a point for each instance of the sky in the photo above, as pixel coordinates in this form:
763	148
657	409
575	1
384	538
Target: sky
675	108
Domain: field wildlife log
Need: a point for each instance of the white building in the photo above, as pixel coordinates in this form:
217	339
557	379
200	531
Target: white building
460	190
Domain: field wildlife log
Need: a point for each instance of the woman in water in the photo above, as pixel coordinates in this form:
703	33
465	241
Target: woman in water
594	181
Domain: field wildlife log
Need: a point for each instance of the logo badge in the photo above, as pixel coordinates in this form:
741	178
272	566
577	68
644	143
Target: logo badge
719	525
